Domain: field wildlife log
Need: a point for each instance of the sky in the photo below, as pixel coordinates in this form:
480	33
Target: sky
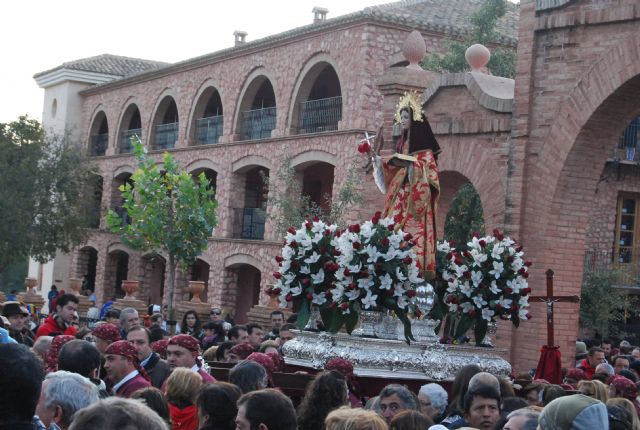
38	35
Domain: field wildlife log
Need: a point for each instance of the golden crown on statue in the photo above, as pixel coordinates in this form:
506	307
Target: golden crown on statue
412	100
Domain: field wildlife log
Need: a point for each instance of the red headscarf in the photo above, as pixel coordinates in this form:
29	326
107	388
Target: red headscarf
127	350
625	387
108	332
278	361
265	361
340	365
189	343
242	350
160	347
54	351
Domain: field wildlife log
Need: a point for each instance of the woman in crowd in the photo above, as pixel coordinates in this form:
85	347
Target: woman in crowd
433	401
191	325
182	388
455	411
327	392
217	408
410	420
354	419
629	407
625	388
595	389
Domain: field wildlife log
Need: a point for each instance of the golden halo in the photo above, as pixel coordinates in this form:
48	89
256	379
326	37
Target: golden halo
412	100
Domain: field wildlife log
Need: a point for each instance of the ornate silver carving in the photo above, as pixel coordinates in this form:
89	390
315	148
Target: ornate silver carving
368	322
392	358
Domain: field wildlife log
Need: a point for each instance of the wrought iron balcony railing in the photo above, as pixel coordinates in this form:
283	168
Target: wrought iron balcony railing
209	130
320	115
125	146
258	123
628	142
626	263
248	223
98	145
165	136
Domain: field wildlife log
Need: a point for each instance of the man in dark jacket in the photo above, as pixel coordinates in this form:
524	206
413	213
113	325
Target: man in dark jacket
157	369
18	316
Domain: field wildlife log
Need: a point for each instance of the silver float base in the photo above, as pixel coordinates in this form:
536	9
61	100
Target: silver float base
392	359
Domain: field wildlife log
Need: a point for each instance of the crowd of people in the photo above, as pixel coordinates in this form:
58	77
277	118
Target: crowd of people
129	372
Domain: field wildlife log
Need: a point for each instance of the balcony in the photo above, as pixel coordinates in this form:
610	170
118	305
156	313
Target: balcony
98	145
125	146
626	149
258	123
209	130
320	115
165	136
248	223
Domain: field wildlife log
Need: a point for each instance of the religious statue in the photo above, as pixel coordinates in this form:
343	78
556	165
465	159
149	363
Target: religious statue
410	180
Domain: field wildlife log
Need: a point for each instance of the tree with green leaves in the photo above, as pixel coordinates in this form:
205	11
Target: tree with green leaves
167	211
293	207
465	216
604	308
45	189
483	21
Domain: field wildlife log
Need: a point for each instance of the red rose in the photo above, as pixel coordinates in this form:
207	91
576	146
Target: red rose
525	275
289	297
472	313
306	281
452	243
337	233
291	230
356	245
336	253
322	249
407	260
327	232
364	273
411	293
496	232
354	228
466	274
328	294
378	214
500	237
352	286
294	244
397	218
519	248
508	290
482	243
364	147
466	254
277	275
279	259
308	225
521	271
408	237
309	296
385	242
344	306
528	263
390	227
316	219
347	272
449	256
499	307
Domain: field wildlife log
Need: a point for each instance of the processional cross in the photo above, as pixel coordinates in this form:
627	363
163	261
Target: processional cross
550	299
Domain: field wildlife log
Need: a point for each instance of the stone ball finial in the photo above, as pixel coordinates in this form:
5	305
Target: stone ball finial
477	57
414	49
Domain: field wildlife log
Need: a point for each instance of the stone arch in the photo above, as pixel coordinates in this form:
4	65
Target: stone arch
198	107
164	122
450	183
468	158
314	66
203	163
118	246
123	169
249	161
240	259
252	84
98	132
129	123
313	156
562	180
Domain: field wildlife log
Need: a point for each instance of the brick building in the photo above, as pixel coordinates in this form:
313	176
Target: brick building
309	93
540	150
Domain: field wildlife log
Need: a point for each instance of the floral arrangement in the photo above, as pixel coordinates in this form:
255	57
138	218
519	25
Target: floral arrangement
368	265
485	282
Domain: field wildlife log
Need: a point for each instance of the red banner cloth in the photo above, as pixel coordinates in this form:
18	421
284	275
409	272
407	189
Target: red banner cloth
550	365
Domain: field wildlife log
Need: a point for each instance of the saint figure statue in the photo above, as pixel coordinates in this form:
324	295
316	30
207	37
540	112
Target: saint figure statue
410	181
